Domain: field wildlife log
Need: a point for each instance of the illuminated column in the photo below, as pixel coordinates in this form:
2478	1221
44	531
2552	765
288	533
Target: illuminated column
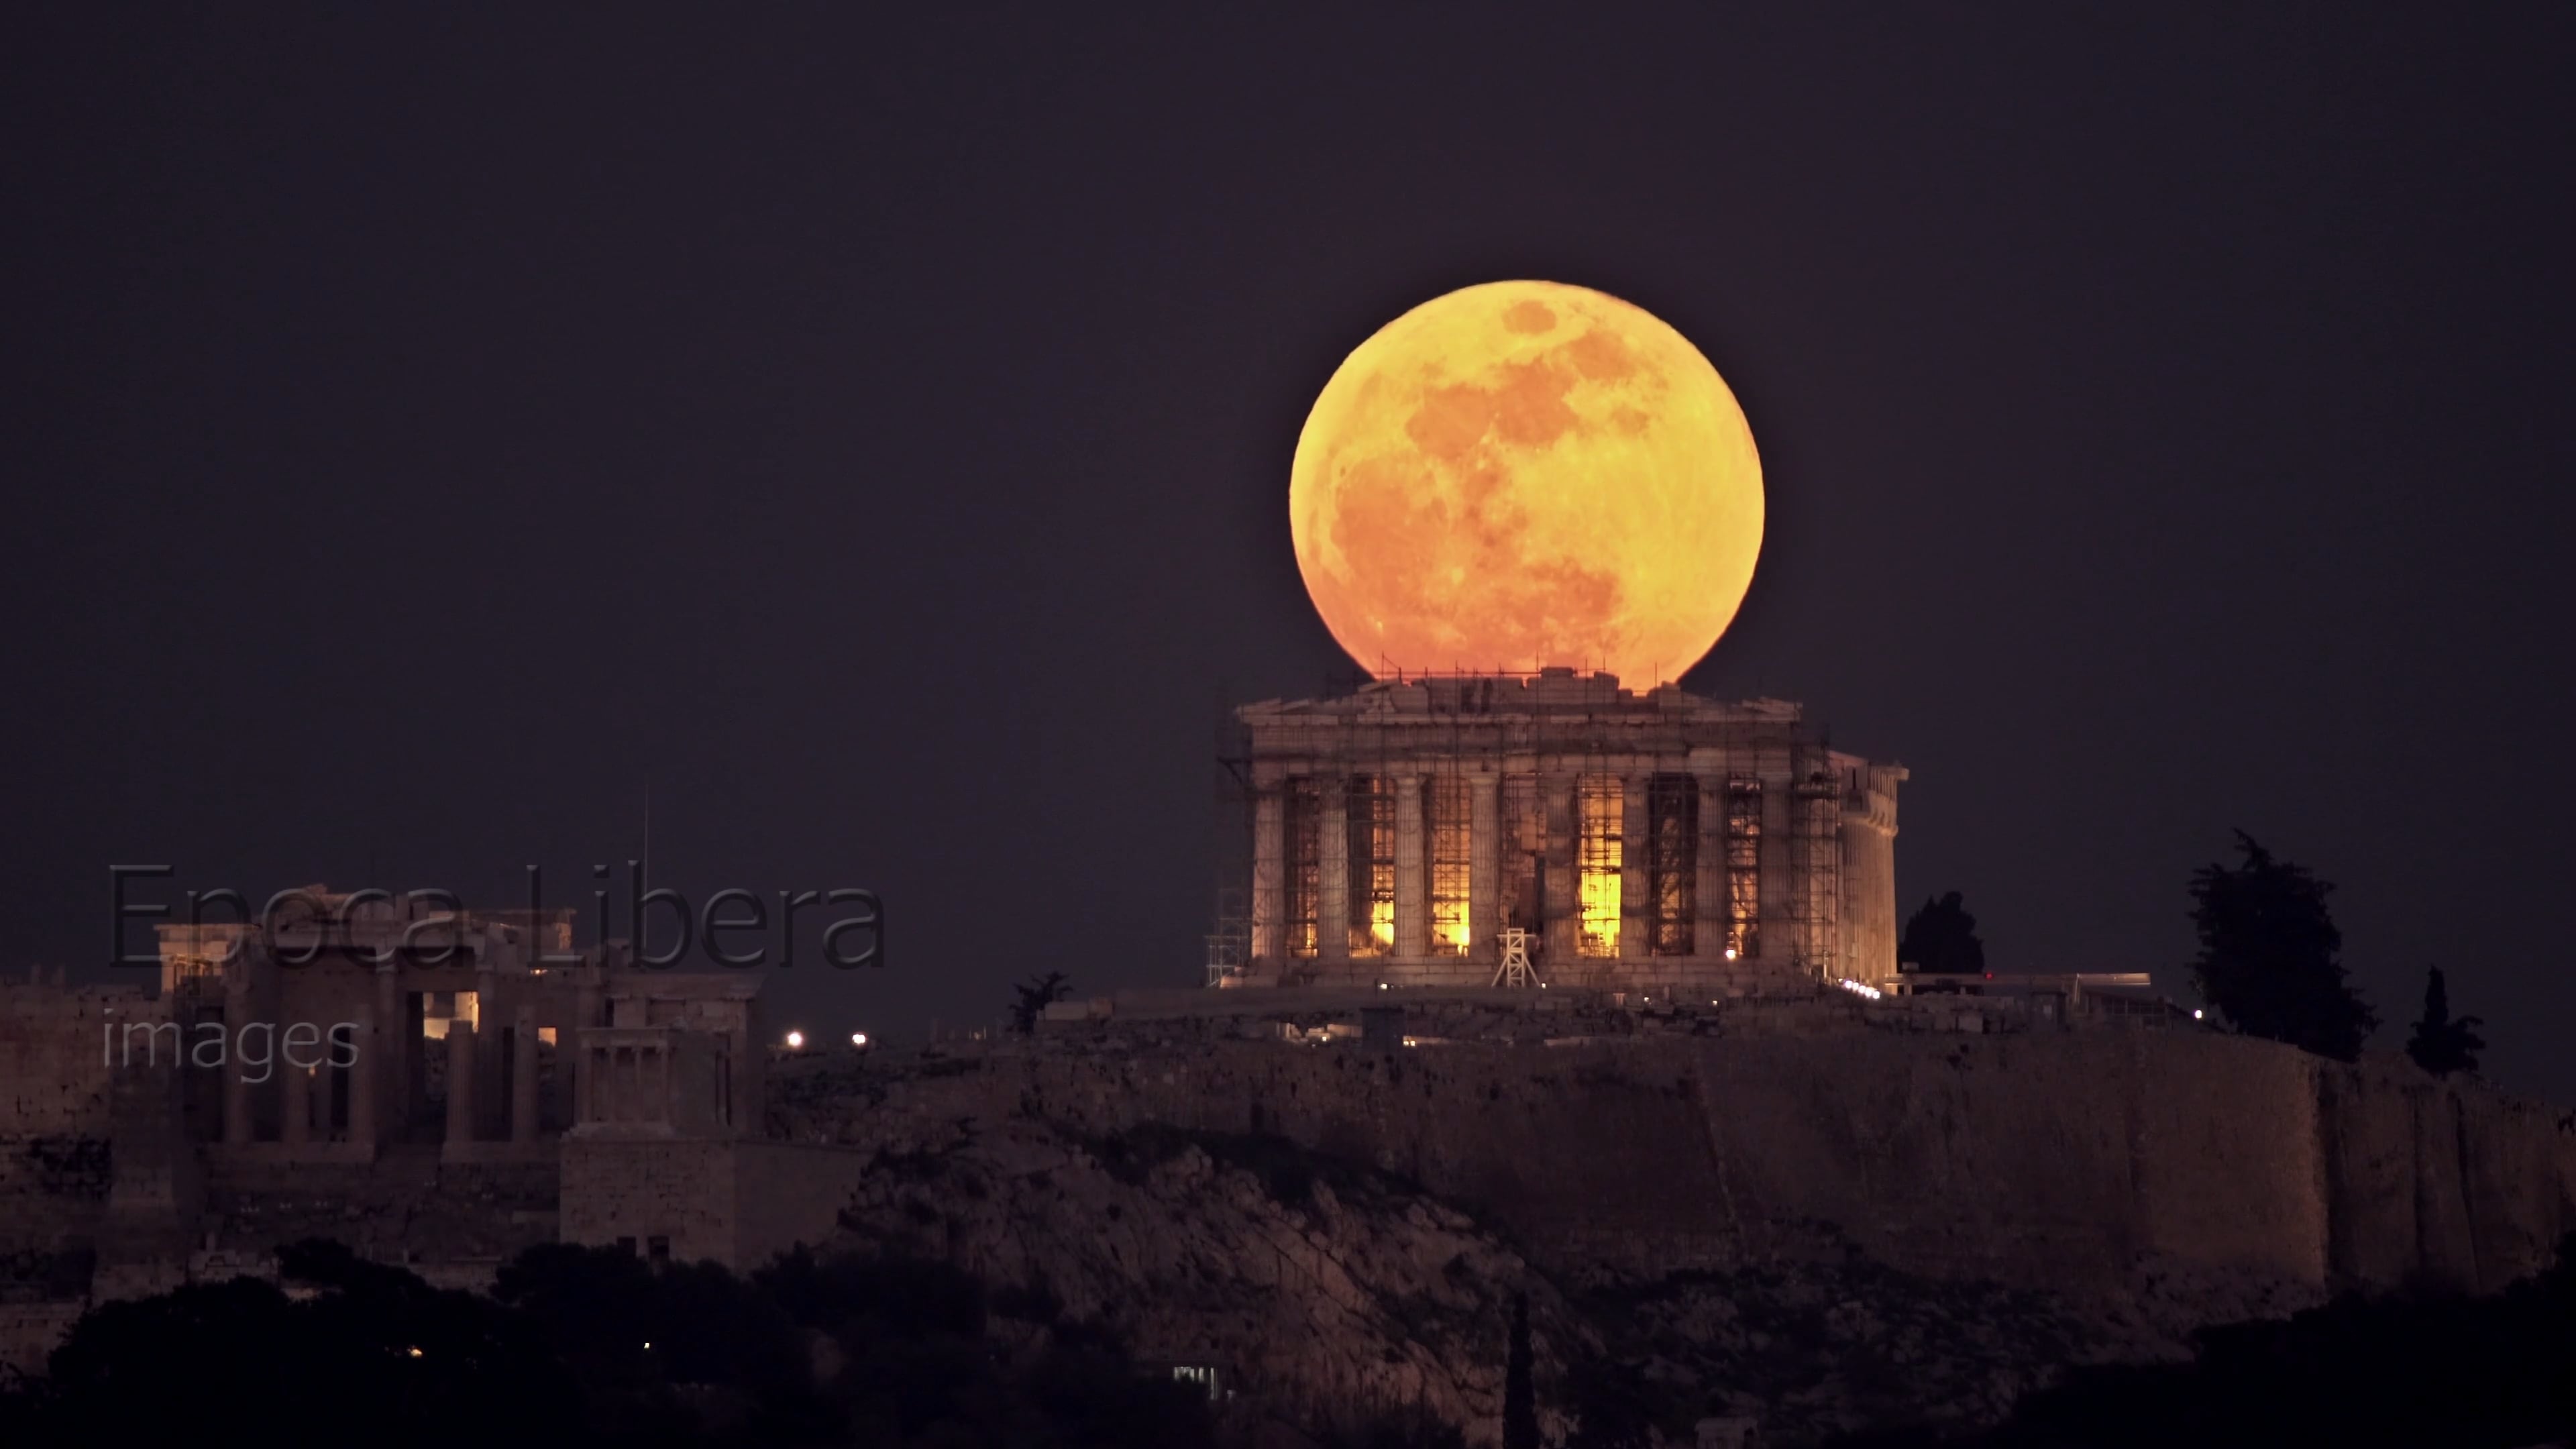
1636	867
1708	875
523	1075
237	1008
1561	889
1484	865
1333	868
460	1082
1868	904
1412	900
295	1101
1269	861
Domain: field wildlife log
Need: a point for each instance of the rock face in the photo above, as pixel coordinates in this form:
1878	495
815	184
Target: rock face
1315	1286
2043	1161
1317	1289
1821	1229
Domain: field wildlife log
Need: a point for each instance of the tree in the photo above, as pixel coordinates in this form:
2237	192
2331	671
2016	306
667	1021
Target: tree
1035	995
1941	939
1520	1396
2269	954
2442	1045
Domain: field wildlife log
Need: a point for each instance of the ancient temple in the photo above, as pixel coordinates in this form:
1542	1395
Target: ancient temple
1414	832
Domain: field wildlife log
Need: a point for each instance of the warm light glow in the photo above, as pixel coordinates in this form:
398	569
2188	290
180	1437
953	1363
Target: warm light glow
1858	989
795	1040
1598	852
1525	474
858	1038
1446	805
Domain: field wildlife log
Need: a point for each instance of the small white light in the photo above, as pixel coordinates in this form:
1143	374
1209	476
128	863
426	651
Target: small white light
1730	953
1381	986
858	1038
2195	1013
795	1040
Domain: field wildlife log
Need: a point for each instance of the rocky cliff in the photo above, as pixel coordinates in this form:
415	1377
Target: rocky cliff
1819	1225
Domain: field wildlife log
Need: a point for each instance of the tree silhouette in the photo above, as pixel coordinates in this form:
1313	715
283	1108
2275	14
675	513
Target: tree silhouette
592	1346
2269	954
2441	1044
1034	996
1942	939
1520	1396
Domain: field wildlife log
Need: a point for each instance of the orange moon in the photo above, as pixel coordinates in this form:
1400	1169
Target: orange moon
1525	474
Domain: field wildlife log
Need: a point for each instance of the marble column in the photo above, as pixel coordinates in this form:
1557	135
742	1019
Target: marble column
1269	867
1636	866
385	1073
361	1074
1333	868
295	1102
1484	866
460	1082
488	1020
1708	876
1867	938
1412	881
1561	899
237	1013
572	1048
523	1075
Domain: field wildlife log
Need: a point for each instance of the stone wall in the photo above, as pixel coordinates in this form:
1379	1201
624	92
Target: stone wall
57	1112
642	1188
2051	1160
736	1203
29	1333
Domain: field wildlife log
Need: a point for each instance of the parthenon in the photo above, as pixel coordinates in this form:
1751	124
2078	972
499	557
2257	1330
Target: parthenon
1639	840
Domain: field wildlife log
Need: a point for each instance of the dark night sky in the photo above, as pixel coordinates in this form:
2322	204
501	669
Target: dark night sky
424	429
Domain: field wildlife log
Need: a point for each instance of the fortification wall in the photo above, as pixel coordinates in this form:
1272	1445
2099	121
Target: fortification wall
2041	1159
642	1188
735	1203
57	1108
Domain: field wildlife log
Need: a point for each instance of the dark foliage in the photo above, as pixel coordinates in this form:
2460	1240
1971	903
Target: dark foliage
242	1361
1032	997
2482	1373
1614	1405
2269	955
1941	939
588	1346
1520	1394
1405	1428
2443	1044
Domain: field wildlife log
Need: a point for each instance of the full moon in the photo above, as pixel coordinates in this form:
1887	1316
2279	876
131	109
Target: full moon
1525	474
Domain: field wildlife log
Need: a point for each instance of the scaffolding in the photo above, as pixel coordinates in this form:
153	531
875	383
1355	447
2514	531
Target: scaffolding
1815	907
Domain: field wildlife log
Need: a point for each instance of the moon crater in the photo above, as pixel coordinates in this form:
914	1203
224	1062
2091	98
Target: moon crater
1526	474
